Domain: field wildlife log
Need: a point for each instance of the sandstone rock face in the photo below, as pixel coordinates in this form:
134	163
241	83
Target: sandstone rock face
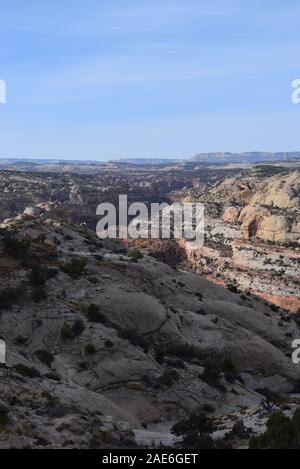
250	217
280	191
261	255
235	190
231	214
274	228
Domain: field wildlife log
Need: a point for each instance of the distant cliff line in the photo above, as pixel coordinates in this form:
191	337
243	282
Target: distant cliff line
207	158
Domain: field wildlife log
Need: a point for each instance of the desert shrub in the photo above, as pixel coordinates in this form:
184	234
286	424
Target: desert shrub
228	365
195	431
223	445
45	357
168	378
83	366
66	332
233	289
94	314
26	371
93	280
184	351
39	293
168	252
75	268
159	355
16	248
108	344
135	254
212	374
78	327
272	397
282	433
176	363
208	409
9	296
39	275
90	349
20	340
4	420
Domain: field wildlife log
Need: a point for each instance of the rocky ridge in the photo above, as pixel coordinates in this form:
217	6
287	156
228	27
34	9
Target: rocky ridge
105	348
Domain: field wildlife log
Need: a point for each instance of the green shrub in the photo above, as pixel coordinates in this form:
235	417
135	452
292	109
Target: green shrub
27	372
94	314
233	289
168	378
16	248
90	349
75	268
135	255
213	374
108	344
39	275
39	293
272	397
66	332
195	431
159	355
184	351
282	433
228	365
9	296
45	357
78	327
4	420
208	408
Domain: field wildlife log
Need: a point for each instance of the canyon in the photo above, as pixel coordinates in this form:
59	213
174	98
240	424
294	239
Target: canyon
110	343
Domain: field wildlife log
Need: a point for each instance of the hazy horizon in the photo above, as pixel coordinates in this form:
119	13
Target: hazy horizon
103	160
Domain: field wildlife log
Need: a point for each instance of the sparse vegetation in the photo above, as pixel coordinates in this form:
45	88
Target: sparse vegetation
9	296
135	255
282	433
213	374
66	332
75	268
40	275
90	349
195	431
78	327
94	314
45	357
27	371
16	248
39	293
168	378
4	420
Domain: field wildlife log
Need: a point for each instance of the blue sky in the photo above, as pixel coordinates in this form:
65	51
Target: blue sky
126	78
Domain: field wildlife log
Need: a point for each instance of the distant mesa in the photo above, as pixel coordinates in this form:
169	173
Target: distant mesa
250	157
255	157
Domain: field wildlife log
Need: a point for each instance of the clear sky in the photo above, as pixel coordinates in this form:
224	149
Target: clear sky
99	79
